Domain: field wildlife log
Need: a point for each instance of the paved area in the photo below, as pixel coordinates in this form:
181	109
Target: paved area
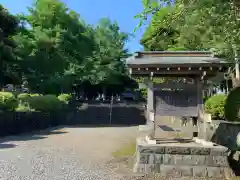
72	153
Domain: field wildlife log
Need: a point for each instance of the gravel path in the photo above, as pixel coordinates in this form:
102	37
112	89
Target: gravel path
72	153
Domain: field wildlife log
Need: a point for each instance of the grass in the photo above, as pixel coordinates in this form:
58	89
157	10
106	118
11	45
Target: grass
126	150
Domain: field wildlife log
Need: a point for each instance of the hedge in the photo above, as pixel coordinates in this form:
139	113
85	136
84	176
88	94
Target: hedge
25	102
224	107
232	106
215	106
45	103
24	97
65	98
8	101
20	113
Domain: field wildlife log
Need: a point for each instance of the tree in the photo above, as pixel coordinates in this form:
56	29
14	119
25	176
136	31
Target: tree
201	25
219	20
56	46
158	36
56	50
8	59
163	35
109	67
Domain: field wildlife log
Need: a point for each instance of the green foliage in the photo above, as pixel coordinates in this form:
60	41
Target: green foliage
158	35
143	93
55	48
23	97
154	79
106	65
23	108
34	95
232	106
58	50
66	98
8	101
215	106
45	103
24	102
8	57
30	102
193	25
205	98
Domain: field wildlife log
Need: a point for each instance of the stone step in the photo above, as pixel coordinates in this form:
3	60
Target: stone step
192	171
196	171
172	135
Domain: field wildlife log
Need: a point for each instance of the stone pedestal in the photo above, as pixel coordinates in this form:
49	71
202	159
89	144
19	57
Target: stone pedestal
182	159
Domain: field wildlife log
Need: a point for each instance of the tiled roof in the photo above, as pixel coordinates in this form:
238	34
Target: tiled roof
183	58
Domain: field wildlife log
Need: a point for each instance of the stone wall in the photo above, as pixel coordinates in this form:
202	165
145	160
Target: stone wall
91	113
121	113
182	159
222	132
12	123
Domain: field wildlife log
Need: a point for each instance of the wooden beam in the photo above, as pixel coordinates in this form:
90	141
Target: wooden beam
173	54
191	87
180	72
192	65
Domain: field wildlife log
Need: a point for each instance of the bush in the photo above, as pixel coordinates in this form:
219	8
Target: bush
34	95
215	106
205	98
23	97
23	108
8	102
232	106
143	93
45	103
23	102
65	98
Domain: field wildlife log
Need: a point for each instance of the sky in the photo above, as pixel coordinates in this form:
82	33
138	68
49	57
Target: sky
123	11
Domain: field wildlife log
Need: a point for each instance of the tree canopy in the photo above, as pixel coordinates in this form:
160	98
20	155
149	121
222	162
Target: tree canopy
194	24
53	49
8	59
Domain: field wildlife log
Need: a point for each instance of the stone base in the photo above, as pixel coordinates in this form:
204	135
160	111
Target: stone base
182	159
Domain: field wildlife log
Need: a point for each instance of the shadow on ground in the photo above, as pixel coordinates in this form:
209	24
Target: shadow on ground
100	125
36	135
7	146
43	134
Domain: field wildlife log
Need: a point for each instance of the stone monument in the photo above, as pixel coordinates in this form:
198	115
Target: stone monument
176	118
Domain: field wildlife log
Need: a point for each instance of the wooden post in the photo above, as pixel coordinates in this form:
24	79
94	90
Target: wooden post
150	107
199	86
150	97
236	65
